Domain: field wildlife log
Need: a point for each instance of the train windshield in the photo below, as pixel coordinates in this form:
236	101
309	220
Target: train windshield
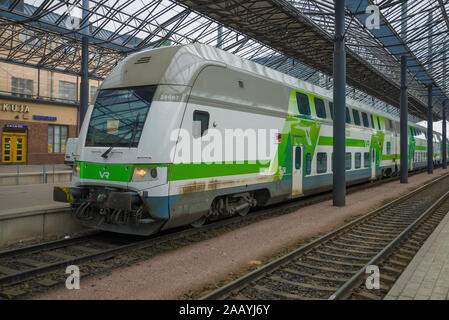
118	117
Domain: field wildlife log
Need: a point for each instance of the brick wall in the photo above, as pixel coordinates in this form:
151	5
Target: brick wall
37	142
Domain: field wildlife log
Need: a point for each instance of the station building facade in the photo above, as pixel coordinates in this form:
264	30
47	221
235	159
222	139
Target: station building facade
38	113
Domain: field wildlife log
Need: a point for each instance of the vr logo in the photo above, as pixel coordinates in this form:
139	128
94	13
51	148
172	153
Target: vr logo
104	174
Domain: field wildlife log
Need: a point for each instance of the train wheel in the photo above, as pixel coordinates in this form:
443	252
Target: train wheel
198	223
244	212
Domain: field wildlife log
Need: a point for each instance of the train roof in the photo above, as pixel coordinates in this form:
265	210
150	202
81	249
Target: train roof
180	65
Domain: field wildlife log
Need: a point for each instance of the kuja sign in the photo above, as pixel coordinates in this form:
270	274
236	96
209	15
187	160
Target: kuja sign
16	108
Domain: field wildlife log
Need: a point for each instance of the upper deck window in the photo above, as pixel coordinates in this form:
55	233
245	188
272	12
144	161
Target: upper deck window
200	123
303	103
320	109
356	115
118	117
365	120
348	116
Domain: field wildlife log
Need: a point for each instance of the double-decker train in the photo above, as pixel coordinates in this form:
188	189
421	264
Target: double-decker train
179	135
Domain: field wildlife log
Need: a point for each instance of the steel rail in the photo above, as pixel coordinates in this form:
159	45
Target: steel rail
354	280
260	272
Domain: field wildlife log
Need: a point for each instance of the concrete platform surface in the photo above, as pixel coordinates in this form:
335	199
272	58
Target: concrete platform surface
427	275
27	197
35	168
28	213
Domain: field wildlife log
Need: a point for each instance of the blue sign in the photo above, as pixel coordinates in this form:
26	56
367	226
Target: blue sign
20	126
35	117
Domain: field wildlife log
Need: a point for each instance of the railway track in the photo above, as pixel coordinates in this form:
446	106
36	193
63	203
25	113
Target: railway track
334	266
39	267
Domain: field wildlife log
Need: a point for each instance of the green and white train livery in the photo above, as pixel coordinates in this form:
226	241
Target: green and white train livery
142	161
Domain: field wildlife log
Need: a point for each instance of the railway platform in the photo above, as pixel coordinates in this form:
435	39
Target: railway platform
427	275
28	212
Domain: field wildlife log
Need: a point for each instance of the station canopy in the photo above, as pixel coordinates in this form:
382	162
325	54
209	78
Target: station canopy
294	37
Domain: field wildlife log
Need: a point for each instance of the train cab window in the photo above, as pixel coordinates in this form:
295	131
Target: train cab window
321	162
358	160
388	147
348	161
320	109
372	121
348	116
378	123
331	110
308	164
303	103
356	116
200	123
366	159
298	158
365	120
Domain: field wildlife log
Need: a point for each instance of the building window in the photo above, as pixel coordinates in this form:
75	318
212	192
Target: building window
21	87
320	109
366	159
57	138
358	160
321	162
93	91
303	103
67	91
348	161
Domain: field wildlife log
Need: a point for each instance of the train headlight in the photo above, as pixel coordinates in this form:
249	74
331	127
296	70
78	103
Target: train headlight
76	170
144	174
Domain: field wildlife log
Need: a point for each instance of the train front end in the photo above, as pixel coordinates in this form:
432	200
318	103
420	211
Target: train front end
120	175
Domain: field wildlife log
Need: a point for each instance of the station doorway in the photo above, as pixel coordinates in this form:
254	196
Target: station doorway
14	146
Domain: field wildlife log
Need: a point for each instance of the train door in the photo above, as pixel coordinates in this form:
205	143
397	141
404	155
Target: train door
14	147
297	171
373	163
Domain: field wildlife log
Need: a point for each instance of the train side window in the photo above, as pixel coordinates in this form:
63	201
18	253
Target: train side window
388	147
348	116
308	164
356	115
321	162
320	108
331	110
365	120
348	160
378	123
358	160
366	159
298	158
372	121
303	103
200	123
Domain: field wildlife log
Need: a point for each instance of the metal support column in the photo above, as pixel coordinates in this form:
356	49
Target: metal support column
429	132
84	86
339	174
404	121
444	137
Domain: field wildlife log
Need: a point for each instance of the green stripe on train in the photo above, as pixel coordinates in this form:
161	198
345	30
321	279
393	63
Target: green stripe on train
329	141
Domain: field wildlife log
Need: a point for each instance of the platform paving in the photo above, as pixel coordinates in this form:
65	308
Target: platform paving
427	275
